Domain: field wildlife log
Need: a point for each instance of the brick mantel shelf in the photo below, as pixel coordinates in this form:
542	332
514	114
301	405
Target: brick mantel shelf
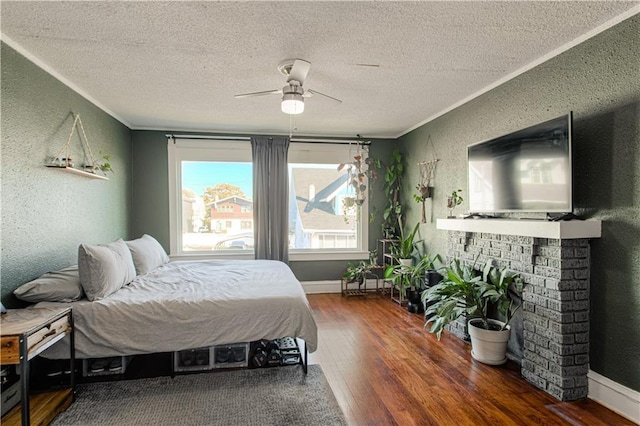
526	227
553	258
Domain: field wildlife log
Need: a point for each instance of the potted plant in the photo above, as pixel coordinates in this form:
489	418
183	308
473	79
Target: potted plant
467	291
410	279
454	200
103	165
424	192
356	272
404	247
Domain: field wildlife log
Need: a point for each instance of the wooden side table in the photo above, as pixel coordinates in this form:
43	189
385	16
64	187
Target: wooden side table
25	333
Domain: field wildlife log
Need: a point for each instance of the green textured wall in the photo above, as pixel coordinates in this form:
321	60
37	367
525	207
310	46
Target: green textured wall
47	213
600	81
151	195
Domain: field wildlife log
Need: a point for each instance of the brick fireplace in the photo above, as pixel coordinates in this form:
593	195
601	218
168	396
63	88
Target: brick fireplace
551	336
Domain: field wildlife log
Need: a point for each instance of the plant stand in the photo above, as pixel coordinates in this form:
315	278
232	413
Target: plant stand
353	288
357	289
397	295
377	273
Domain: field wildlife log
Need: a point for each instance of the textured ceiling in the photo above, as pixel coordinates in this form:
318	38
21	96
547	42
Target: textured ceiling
177	65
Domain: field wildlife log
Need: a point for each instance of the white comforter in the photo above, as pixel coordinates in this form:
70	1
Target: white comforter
186	304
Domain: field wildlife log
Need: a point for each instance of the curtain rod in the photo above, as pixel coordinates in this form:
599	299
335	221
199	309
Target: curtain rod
293	140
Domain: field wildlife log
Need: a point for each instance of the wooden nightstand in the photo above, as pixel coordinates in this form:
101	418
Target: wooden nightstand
25	333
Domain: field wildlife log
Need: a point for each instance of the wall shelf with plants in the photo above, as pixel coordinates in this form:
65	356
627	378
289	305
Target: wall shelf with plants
91	168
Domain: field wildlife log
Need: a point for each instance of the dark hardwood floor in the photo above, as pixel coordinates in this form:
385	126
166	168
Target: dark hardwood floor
386	370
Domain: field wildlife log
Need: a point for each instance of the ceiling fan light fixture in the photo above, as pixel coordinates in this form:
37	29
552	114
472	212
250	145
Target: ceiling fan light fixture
292	103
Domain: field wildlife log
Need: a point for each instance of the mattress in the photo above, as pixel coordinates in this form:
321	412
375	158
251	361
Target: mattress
191	304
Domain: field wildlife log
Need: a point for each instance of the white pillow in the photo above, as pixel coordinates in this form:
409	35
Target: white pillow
57	286
104	268
147	254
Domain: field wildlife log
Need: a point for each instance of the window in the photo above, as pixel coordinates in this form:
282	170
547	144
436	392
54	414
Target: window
323	219
214	180
224	208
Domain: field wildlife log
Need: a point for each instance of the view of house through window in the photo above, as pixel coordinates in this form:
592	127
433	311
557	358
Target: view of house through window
320	216
212	185
217	206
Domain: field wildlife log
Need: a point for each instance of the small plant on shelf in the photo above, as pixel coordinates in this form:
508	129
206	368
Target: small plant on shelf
103	165
356	272
453	200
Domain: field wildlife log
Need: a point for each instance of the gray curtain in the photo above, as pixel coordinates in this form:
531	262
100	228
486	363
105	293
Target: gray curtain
271	197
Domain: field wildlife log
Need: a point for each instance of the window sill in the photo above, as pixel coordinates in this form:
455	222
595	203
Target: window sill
334	255
211	256
293	256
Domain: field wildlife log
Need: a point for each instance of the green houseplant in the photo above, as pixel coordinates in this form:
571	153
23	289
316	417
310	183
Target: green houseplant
411	278
356	271
467	291
453	200
406	244
362	170
392	212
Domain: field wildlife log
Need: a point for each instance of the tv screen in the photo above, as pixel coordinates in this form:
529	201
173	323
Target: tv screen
524	171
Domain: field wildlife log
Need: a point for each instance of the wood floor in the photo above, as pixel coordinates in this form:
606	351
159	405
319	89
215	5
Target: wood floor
386	370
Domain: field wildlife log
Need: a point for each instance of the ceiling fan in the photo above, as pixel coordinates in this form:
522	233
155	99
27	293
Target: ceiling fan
293	94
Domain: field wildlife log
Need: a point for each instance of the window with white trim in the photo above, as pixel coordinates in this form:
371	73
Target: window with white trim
321	221
211	201
210	195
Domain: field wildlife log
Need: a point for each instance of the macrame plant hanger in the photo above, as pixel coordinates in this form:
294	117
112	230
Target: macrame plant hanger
426	169
84	142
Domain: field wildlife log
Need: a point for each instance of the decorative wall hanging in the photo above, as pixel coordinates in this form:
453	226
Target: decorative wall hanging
91	168
426	169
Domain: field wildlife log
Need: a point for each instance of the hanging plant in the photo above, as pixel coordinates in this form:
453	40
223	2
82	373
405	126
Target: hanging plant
392	183
423	194
360	174
424	189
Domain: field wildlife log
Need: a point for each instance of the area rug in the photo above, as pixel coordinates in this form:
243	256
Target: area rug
272	396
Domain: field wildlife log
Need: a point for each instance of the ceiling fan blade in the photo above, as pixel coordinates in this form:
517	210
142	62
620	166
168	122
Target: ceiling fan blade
299	71
266	92
315	92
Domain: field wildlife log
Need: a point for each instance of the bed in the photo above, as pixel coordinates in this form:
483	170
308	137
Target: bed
190	304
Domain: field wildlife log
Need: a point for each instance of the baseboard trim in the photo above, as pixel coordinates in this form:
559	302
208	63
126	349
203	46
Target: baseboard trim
614	396
315	287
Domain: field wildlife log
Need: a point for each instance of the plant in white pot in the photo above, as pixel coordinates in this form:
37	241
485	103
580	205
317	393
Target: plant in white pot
465	290
406	244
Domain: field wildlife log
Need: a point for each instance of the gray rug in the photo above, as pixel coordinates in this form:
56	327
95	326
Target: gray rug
274	396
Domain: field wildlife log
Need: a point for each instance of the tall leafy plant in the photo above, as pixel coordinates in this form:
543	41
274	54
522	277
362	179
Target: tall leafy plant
406	244
392	183
465	290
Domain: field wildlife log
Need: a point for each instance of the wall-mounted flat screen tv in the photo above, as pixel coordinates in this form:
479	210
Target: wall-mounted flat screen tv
525	171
